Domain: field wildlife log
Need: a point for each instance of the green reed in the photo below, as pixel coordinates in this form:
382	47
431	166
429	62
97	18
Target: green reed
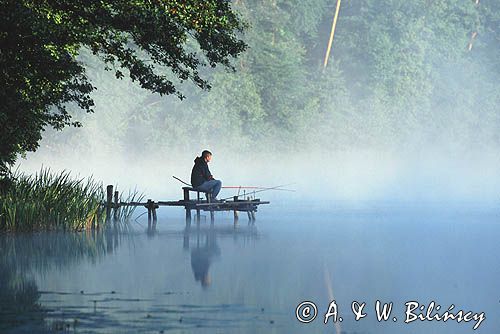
48	201
125	212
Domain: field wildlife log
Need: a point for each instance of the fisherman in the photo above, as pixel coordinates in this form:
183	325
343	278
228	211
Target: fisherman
202	179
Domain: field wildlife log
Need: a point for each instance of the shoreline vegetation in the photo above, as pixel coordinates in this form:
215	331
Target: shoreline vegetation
54	201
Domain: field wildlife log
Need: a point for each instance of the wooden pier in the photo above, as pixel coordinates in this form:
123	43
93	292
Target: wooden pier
235	204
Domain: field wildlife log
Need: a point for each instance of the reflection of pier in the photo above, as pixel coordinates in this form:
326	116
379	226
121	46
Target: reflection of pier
236	204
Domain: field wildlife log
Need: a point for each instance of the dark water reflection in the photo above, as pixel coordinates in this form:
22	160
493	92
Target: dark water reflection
249	278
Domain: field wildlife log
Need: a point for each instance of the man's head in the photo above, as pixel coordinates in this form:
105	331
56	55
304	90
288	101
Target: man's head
206	155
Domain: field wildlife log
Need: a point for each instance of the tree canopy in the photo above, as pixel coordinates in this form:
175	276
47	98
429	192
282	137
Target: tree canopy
156	43
402	75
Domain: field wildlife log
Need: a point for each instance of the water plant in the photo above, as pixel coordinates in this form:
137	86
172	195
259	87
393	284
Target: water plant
126	211
48	201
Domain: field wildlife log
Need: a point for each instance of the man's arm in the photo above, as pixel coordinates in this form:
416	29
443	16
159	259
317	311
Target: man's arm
208	175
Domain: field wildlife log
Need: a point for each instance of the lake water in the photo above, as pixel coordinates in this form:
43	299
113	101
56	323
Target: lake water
250	278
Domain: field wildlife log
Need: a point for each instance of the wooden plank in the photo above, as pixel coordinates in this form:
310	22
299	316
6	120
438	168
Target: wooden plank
233	204
194	203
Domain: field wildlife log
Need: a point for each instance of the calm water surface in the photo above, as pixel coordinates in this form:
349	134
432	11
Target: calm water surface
249	278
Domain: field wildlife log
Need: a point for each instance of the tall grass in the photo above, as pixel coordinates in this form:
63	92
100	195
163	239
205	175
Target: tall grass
48	201
125	212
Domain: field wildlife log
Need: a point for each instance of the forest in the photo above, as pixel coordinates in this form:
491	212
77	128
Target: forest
402	75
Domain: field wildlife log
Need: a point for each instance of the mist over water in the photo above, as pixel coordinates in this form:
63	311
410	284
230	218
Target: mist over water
368	175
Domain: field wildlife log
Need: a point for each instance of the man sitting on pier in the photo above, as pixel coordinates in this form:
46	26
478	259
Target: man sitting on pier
201	178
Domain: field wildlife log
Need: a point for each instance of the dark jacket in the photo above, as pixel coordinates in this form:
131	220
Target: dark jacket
200	172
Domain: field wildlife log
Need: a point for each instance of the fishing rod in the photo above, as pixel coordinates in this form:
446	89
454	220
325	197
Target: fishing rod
280	188
251	187
266	189
175	177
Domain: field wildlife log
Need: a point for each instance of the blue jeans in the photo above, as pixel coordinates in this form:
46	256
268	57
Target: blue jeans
211	186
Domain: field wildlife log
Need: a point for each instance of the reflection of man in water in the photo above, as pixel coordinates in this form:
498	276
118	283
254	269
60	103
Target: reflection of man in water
201	258
201	178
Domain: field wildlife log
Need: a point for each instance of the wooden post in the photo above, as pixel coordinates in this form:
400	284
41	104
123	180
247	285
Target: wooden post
198	210
235	212
109	199
116	206
149	211
248	211
212	217
186	204
154	207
